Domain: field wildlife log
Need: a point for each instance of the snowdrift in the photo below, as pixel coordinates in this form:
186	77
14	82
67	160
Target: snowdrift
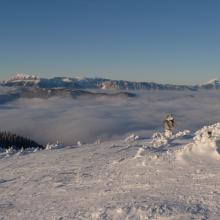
205	145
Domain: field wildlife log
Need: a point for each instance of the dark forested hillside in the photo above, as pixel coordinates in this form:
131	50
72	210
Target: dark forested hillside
8	139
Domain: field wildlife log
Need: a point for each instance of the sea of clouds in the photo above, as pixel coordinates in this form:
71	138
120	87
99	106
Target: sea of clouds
90	119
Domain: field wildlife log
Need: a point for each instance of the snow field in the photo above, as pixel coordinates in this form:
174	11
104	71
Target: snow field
127	179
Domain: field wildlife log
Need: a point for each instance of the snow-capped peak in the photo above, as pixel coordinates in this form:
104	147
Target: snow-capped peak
78	77
214	82
23	76
67	80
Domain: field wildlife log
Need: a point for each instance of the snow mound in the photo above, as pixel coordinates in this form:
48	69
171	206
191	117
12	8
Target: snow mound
206	144
54	146
160	143
160	139
131	138
181	133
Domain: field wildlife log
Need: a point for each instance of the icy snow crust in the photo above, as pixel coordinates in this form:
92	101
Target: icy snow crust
135	178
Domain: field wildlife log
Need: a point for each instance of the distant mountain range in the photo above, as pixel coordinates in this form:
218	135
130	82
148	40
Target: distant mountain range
28	86
25	80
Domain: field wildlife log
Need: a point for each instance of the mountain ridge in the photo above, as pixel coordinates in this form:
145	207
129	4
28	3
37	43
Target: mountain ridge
100	83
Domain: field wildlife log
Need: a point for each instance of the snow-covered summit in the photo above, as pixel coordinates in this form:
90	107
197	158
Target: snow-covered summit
214	83
23	77
216	80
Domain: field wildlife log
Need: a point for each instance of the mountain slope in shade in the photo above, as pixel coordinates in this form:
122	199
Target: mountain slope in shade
46	93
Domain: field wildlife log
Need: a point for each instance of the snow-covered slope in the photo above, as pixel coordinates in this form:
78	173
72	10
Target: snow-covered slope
99	83
212	84
135	178
22	79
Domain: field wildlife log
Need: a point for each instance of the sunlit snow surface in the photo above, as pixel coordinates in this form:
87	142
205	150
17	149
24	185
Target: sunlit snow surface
134	178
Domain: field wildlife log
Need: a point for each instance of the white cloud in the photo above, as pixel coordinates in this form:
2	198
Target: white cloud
87	120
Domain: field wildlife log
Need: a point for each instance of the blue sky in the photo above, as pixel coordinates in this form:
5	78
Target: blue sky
173	41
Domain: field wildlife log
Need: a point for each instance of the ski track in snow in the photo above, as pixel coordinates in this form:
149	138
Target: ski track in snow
127	179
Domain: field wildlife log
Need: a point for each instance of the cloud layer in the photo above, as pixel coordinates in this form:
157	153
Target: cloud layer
69	120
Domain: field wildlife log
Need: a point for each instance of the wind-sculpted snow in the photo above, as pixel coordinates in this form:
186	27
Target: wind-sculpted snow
107	181
206	145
